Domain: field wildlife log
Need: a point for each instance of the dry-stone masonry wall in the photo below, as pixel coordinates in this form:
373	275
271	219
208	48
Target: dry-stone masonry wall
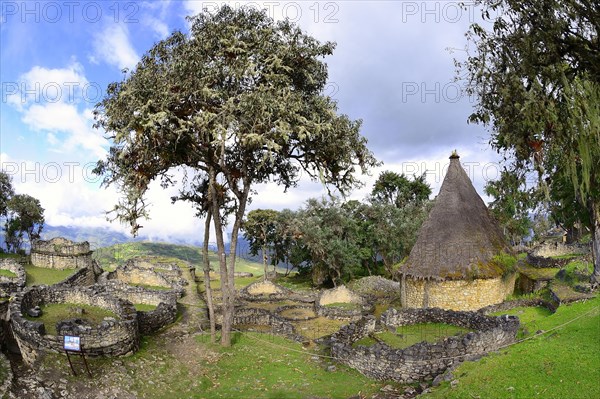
558	249
142	273
112	337
342	304
422	361
260	317
458	294
149	321
60	253
10	285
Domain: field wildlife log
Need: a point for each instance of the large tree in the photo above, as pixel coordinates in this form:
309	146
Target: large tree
511	205
25	216
6	192
261	230
240	99
396	189
536	77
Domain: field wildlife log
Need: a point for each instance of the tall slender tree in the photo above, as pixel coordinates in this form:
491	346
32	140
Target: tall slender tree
536	77
240	99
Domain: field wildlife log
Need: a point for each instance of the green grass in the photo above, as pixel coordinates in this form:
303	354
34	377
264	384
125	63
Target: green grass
538	273
296	282
7	273
265	366
406	336
319	327
578	270
529	317
142	307
55	312
42	275
10	256
562	363
182	255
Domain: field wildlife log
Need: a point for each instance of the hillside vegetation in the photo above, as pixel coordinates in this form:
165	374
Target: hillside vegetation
184	255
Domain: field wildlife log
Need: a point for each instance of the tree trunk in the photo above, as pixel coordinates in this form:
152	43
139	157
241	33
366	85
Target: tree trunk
209	296
595	279
226	288
264	254
239	216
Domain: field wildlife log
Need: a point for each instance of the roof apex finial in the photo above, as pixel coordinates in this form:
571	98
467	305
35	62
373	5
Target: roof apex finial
454	155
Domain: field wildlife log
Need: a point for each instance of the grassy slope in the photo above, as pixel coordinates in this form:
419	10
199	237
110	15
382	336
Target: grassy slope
563	363
122	252
260	366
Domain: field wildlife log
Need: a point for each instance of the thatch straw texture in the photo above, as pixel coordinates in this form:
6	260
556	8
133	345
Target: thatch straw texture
459	238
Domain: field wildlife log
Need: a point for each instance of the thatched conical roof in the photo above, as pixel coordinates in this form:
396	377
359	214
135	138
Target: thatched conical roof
460	237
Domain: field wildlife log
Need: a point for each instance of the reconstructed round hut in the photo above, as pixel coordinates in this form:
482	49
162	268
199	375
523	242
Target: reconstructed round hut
60	253
452	265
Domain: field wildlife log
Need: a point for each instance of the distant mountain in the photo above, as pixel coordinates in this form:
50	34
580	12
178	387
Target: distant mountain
100	237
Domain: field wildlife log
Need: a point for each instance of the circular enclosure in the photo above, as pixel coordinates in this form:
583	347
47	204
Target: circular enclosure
424	360
297	312
112	336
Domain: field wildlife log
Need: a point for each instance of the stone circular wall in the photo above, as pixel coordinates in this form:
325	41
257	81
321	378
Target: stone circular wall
60	253
141	272
149	321
10	285
341	295
421	361
265	290
260	317
113	337
457	294
308	312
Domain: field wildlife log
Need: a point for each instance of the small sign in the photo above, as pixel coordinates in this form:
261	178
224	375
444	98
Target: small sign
72	343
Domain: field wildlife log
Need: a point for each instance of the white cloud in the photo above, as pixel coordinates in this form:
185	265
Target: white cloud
159	27
113	46
70	195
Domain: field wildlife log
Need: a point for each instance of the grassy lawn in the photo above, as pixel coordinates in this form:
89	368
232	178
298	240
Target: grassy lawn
142	307
7	273
529	317
538	273
178	254
319	327
42	275
10	256
562	363
296	282
55	312
406	336
265	366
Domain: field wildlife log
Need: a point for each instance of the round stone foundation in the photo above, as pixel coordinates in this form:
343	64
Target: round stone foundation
456	294
112	337
424	360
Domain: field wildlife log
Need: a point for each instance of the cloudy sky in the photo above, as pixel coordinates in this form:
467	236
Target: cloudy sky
393	68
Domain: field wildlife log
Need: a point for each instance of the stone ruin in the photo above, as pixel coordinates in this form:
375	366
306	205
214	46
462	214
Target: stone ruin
89	285
354	309
143	272
9	285
60	253
112	337
422	361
